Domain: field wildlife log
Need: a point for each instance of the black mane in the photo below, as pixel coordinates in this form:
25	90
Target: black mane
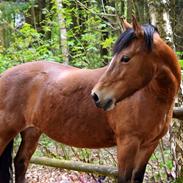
127	36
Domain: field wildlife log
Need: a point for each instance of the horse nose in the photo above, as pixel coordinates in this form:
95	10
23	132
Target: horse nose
95	97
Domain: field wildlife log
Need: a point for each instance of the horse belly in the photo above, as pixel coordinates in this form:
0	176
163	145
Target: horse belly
81	133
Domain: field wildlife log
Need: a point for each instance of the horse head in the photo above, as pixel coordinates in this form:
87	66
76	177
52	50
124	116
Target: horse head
139	55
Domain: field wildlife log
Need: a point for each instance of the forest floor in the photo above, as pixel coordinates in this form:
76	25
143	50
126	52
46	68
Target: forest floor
43	174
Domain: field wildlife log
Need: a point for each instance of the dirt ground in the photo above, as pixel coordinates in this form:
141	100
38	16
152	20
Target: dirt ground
41	174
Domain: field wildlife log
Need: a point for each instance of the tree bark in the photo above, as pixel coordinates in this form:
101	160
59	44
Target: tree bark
105	34
159	15
36	17
178	113
63	32
1	37
77	166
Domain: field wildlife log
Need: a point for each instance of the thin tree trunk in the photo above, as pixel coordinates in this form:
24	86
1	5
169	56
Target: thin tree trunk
159	14
129	9
63	32
36	16
1	36
125	8
105	34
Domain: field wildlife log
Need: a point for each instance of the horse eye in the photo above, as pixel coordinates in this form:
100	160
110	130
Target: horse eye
125	58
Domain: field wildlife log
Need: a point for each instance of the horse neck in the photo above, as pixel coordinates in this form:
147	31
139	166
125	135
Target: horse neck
93	75
170	60
83	78
166	82
99	71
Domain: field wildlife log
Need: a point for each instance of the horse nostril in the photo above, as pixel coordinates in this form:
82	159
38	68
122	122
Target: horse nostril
95	97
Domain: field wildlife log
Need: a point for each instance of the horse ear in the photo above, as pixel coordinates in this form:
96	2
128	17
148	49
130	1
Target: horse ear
125	24
137	28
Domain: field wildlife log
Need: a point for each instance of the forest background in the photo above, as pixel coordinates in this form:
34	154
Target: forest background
82	33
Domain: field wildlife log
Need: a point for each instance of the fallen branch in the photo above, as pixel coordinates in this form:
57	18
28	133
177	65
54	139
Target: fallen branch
74	165
178	113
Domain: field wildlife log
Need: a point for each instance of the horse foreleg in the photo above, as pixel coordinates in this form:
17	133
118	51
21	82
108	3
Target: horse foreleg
127	149
27	147
142	159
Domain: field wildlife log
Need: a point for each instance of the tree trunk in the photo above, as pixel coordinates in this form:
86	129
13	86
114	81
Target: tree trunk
36	16
63	32
159	14
105	34
1	37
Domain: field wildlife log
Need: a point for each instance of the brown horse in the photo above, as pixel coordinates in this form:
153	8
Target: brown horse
45	97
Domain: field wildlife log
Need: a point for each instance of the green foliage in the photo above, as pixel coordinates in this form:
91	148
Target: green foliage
178	180
181	63
161	160
27	45
179	53
180	56
107	43
85	38
9	9
88	34
85	35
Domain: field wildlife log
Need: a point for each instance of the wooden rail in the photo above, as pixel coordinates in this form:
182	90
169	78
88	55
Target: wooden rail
178	113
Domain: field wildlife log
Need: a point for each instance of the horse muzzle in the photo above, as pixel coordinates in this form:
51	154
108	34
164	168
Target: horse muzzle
106	104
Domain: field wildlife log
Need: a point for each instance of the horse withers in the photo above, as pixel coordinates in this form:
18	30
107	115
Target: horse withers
136	91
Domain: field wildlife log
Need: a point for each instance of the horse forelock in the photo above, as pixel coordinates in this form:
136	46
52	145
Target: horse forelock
129	35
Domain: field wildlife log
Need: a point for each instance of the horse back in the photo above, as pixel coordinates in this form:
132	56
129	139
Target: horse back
23	84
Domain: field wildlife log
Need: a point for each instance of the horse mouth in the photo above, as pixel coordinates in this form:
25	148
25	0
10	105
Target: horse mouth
108	105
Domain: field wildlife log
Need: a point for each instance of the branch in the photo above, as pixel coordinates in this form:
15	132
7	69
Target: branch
77	166
100	15
178	113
